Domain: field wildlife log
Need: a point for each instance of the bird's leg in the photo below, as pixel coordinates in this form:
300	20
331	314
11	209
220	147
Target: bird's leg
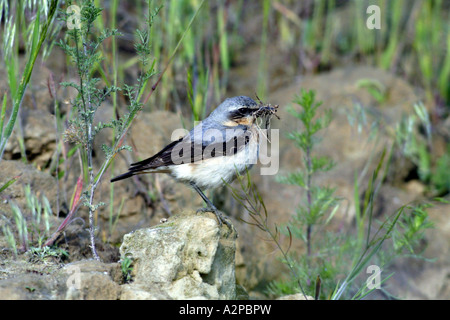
210	207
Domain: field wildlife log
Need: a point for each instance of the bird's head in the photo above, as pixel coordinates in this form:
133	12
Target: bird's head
239	110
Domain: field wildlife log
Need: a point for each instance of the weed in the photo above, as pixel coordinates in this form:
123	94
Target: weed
250	199
418	149
411	34
32	231
375	88
125	266
319	201
82	47
334	259
34	43
42	254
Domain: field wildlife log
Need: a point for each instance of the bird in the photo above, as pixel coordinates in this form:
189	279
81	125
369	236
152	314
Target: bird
222	146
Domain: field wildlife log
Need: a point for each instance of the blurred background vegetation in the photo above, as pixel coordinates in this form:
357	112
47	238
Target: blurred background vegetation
305	37
311	35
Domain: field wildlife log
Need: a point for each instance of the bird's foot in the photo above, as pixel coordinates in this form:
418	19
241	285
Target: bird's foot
220	218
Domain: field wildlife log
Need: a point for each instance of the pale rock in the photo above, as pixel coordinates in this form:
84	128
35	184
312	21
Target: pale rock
188	257
297	296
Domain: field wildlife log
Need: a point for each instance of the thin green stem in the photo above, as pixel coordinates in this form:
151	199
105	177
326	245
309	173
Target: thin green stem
309	200
83	73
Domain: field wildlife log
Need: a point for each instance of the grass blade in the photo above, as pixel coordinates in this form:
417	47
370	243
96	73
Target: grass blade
9	182
2	116
38	38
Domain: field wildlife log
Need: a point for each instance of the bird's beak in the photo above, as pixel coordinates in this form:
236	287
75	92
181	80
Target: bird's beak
266	110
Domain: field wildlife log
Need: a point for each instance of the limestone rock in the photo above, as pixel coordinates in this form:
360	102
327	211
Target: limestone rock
93	286
28	287
141	292
39	136
297	296
188	257
83	280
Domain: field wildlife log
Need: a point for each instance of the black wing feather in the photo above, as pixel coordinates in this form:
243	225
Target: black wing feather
165	156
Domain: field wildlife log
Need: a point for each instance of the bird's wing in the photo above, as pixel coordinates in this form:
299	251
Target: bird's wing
192	148
226	141
162	158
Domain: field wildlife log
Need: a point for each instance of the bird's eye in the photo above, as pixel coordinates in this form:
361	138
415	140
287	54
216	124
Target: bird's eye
246	110
242	112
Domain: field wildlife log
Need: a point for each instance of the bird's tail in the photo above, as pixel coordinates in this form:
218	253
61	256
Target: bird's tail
122	176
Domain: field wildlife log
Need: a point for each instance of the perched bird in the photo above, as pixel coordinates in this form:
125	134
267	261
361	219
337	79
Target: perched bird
214	151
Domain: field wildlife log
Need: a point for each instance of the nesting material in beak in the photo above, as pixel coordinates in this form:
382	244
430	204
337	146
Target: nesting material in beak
265	111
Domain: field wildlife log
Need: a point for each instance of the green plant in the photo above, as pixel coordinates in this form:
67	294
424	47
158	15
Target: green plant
397	236
416	147
364	37
262	84
319	201
430	47
414	34
319	204
250	199
175	50
440	176
334	260
31	224
38	33
394	12
125	266
197	97
375	88
41	254
8	183
9	236
82	46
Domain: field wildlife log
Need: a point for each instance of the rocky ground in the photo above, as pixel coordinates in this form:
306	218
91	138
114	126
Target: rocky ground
256	262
